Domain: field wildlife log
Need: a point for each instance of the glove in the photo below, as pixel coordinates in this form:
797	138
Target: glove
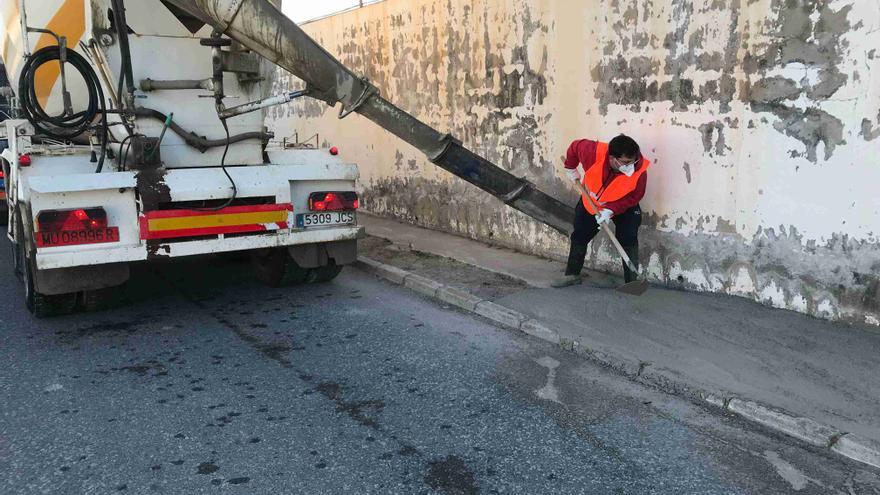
573	174
604	216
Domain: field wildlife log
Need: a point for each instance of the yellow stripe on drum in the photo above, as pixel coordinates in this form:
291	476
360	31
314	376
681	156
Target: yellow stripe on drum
70	22
221	220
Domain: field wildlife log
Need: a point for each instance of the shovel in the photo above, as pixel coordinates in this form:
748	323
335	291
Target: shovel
636	287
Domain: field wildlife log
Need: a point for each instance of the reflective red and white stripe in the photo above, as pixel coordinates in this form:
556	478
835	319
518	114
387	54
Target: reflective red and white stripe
169	224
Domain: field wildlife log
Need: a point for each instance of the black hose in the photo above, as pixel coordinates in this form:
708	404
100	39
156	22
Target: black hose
123	153
198	142
228	176
223	166
62	127
105	136
125	68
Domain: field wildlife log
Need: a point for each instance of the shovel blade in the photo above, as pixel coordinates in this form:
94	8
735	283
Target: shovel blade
634	288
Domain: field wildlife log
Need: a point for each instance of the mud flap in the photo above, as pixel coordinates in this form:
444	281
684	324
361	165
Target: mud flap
319	255
80	278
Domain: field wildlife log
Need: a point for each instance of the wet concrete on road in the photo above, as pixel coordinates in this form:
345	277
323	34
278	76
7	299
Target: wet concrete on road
205	381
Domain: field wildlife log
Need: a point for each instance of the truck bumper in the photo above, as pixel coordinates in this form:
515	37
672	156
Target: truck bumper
104	255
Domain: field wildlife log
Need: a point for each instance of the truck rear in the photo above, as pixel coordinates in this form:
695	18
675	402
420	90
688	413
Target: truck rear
146	143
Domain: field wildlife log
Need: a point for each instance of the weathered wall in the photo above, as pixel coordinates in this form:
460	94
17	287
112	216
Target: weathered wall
762	116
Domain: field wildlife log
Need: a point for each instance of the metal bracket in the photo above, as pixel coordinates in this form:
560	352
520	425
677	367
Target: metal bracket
22	17
241	62
516	193
446	141
368	92
319	94
62	61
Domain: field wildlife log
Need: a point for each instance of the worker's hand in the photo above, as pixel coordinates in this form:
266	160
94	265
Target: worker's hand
604	216
574	174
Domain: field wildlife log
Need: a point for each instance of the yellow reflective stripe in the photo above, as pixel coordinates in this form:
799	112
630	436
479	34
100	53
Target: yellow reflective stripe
221	220
70	22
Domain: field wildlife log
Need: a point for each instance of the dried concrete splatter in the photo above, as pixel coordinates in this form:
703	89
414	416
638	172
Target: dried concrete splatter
549	391
786	471
713	138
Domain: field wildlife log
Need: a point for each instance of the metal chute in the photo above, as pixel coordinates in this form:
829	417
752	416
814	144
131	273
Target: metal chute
261	27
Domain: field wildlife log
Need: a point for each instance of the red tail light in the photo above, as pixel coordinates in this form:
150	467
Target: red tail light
70	227
24	160
333	201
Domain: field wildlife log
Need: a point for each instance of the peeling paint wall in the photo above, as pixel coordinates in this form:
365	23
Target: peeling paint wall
762	117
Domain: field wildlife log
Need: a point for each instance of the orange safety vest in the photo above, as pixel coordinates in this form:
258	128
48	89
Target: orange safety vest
620	185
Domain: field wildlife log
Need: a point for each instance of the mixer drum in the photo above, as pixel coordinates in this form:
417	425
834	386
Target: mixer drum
65	18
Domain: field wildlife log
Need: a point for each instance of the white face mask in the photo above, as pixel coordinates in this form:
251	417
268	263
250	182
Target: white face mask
628	169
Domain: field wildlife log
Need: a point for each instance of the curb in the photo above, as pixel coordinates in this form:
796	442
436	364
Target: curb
848	445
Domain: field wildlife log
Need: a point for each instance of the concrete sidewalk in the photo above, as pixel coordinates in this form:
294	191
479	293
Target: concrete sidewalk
729	351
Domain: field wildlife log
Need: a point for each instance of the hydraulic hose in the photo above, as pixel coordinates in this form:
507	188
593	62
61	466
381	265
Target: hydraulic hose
61	127
198	142
125	69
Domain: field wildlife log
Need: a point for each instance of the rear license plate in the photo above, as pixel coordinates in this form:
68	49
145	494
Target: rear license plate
306	220
77	237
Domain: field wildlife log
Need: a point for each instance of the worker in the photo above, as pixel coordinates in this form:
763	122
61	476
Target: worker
615	174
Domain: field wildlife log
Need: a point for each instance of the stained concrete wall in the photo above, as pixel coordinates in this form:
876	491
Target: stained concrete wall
762	116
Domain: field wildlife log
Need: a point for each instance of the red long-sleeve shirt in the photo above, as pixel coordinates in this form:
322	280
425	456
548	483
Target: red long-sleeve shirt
583	152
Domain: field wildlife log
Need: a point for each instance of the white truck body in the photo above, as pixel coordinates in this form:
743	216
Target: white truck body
184	206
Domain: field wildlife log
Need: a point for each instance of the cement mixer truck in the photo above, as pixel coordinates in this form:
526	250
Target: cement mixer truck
141	138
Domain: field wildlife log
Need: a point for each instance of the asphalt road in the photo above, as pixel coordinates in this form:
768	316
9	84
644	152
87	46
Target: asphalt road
206	382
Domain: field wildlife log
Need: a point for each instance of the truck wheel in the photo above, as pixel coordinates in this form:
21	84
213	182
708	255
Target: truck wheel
4	215
16	262
17	259
41	305
275	268
325	273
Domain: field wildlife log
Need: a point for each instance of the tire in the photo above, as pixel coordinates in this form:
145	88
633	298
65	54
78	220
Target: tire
17	251
4	214
274	268
325	273
235	256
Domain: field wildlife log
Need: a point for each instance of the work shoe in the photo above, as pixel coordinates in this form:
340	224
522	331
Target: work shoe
566	280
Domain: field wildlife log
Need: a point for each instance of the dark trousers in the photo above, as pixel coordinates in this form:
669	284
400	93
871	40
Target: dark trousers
585	228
